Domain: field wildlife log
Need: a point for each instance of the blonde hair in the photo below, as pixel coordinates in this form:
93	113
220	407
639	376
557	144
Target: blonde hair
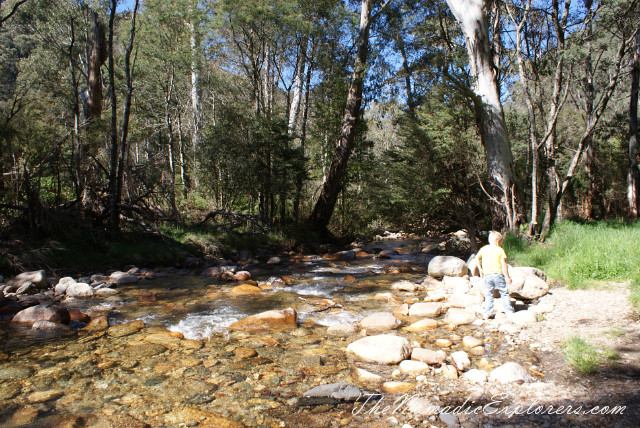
495	238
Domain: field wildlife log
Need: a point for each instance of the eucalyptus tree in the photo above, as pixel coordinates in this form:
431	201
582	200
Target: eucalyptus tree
323	209
473	17
633	175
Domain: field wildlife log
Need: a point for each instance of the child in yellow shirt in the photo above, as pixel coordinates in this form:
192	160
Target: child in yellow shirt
492	262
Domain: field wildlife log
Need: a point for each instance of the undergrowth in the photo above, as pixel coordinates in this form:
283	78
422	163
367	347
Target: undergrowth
581	255
586	358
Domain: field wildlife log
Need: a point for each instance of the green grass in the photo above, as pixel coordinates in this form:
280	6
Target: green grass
634	296
583	254
614	332
584	357
581	355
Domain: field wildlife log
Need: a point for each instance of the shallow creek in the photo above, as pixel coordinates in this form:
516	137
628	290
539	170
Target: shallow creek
196	372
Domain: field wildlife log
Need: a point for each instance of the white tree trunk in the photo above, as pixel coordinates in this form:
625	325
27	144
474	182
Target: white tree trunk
297	92
472	16
195	97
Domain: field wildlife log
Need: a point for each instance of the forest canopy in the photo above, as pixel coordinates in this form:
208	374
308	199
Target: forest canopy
349	115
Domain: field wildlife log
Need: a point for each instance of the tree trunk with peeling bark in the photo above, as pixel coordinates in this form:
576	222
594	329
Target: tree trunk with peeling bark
325	205
472	17
633	176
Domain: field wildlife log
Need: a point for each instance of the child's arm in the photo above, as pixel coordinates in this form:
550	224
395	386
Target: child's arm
505	271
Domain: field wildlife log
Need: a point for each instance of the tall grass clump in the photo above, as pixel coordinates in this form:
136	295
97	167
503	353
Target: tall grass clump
581	355
581	254
586	358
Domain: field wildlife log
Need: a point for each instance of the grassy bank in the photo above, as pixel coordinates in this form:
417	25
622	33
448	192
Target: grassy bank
584	255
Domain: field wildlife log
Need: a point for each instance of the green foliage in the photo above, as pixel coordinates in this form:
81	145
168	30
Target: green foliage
581	254
581	355
634	296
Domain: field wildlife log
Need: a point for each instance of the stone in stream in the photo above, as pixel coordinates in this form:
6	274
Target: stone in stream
15	372
44	396
366	376
425	309
42	313
476	376
245	290
380	321
423	325
61	287
413	367
386	254
456	284
458	300
27	288
456	316
274	320
441	266
471	342
76	315
383	348
79	290
405	285
397	388
421	406
38	278
337	391
242	275
106	292
428	356
125	279
127	329
510	373
435	296
98	323
191	415
343	329
403	309
50	326
170	341
461	360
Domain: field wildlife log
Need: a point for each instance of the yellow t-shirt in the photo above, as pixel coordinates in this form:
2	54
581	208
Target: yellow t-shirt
491	257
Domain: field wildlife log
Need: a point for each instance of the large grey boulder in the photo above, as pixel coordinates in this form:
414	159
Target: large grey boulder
441	266
383	348
527	283
37	278
36	313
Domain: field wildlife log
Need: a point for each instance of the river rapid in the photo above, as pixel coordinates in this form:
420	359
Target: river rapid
170	359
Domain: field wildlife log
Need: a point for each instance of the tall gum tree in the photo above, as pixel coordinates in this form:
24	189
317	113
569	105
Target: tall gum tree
323	210
473	19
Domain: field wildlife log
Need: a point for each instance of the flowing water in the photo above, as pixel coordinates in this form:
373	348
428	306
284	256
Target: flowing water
226	378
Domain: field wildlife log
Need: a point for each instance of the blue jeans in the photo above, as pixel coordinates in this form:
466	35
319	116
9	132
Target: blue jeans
496	281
